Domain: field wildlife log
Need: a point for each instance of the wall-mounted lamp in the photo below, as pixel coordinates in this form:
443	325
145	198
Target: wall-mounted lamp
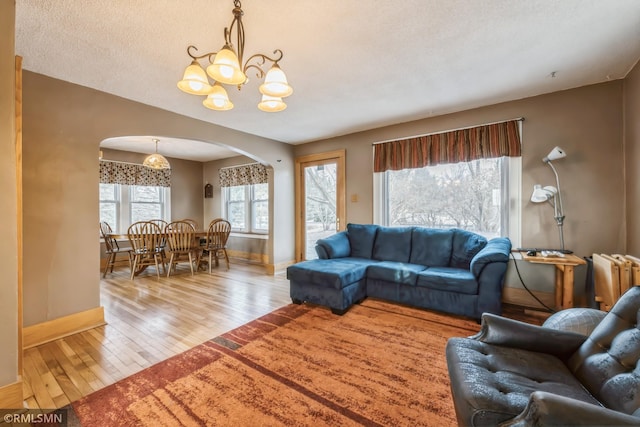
552	194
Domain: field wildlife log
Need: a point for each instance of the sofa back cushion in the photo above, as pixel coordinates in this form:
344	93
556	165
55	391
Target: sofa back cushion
361	238
393	244
607	363
431	246
466	245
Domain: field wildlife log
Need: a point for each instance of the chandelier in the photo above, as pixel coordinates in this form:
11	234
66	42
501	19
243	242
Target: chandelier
226	67
156	160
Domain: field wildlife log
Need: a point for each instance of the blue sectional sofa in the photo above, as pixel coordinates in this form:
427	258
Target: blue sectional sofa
449	270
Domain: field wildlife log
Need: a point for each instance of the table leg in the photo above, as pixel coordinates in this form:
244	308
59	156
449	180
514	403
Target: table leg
567	292
559	288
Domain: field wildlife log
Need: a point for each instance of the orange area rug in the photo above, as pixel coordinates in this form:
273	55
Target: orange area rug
380	364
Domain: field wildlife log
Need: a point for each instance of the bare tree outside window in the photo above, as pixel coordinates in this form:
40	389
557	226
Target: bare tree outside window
462	195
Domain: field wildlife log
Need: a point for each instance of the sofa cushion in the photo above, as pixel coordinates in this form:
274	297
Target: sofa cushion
392	244
448	279
431	246
361	238
334	246
397	272
327	272
495	382
466	245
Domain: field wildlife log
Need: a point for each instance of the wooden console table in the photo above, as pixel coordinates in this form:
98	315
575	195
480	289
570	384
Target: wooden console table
564	275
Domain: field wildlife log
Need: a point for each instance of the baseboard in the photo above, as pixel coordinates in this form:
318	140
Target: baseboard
61	327
272	269
249	256
522	297
11	396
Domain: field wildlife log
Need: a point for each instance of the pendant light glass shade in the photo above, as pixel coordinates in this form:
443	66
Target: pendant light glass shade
194	80
218	99
275	83
271	104
226	68
156	161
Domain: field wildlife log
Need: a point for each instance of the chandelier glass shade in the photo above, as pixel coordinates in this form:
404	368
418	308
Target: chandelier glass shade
156	160
226	67
217	99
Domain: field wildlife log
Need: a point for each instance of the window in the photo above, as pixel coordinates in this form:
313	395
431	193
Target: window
247	207
122	205
109	204
480	196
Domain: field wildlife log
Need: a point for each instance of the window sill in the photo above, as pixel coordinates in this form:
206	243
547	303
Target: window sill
249	235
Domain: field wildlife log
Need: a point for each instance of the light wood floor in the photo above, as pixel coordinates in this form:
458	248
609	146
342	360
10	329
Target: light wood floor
148	320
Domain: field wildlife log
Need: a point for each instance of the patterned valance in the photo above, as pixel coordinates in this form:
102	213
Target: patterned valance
463	145
133	174
254	173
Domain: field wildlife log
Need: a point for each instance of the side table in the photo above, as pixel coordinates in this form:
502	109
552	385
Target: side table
564	275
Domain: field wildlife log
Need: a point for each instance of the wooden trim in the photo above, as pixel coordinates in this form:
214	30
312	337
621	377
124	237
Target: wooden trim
63	326
521	297
341	212
11	396
249	256
18	108
272	269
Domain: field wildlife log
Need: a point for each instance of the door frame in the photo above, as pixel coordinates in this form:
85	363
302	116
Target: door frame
341	214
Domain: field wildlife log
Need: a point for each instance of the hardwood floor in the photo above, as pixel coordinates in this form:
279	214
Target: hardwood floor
148	320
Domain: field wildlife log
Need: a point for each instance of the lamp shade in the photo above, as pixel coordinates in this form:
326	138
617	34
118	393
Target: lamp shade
542	194
218	99
275	83
555	154
156	161
271	104
194	80
226	68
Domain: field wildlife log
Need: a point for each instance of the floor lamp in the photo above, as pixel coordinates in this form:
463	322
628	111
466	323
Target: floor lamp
552	194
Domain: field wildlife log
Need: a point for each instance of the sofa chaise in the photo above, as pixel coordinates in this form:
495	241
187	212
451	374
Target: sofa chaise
516	374
449	270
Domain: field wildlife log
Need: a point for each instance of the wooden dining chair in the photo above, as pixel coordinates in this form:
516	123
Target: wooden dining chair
193	223
145	238
216	246
112	249
181	241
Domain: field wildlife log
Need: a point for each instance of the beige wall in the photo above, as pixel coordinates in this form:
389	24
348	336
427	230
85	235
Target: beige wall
63	127
586	122
8	205
632	152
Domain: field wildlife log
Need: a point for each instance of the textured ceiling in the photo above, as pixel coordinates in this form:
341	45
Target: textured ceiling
354	64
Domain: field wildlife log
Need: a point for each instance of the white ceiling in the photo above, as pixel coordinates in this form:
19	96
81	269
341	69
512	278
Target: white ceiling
353	64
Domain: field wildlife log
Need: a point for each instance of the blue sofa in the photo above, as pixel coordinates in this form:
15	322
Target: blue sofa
449	270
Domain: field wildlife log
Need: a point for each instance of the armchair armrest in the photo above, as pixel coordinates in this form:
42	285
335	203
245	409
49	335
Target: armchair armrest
544	409
496	250
513	333
334	246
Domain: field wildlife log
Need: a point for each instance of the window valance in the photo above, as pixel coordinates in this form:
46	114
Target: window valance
462	145
254	173
133	174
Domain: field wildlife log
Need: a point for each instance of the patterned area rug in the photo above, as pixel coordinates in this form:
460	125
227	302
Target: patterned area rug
380	364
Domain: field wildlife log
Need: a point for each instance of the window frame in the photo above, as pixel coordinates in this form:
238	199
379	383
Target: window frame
249	203
510	182
124	206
